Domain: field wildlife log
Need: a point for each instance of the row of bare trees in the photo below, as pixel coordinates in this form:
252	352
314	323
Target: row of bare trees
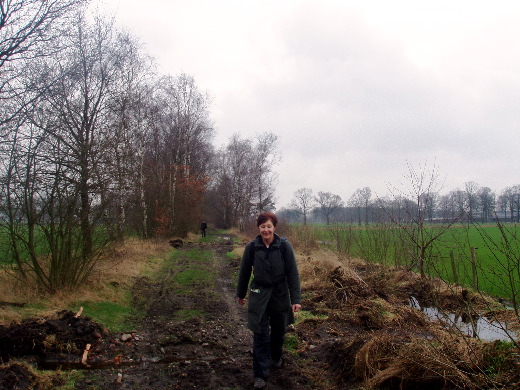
474	203
96	145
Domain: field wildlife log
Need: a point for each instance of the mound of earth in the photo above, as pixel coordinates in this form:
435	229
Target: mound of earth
66	332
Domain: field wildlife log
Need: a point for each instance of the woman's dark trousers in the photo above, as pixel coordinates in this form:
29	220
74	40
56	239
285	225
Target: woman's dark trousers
268	345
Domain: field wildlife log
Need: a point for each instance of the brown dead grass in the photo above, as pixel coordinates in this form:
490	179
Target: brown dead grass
131	258
122	265
394	345
420	363
315	267
15	292
113	274
302	238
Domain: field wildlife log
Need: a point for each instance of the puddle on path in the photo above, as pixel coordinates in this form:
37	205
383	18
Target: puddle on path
480	327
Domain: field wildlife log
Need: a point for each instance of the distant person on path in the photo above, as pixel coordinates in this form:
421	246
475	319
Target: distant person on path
274	294
203	227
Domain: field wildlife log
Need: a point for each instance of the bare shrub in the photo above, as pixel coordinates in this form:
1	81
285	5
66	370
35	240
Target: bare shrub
112	274
304	238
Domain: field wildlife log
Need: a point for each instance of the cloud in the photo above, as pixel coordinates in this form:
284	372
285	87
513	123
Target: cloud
355	90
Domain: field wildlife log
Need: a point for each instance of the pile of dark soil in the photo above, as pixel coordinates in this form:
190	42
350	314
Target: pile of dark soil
66	332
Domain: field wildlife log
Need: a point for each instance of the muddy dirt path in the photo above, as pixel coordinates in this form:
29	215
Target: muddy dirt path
210	349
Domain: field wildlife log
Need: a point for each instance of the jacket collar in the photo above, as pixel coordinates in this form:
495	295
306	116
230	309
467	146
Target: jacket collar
275	244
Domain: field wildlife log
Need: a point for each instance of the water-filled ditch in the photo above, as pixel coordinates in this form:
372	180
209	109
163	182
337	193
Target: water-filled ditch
479	327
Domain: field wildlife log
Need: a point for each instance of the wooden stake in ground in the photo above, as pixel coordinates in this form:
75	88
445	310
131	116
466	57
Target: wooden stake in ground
85	355
78	314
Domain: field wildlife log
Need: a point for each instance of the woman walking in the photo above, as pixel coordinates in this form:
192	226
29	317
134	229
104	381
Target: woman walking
274	294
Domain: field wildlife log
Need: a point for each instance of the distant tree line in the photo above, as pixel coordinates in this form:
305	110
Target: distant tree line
472	204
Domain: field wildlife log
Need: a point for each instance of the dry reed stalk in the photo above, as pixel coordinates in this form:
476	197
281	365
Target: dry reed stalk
374	356
315	268
9	315
420	361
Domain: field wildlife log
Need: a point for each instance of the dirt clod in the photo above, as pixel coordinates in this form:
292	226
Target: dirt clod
16	376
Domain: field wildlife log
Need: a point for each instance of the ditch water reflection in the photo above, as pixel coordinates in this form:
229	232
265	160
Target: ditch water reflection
479	327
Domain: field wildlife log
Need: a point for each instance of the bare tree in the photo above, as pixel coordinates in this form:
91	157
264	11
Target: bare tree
360	199
445	207
240	160
487	202
80	100
329	203
178	152
415	235
26	25
244	181
453	204
27	31
266	158
61	171
509	201
303	201
87	146
472	200
128	124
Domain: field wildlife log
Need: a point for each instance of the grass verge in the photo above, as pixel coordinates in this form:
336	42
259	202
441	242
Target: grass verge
105	297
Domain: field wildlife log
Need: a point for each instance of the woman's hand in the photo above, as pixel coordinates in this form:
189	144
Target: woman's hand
296	307
241	301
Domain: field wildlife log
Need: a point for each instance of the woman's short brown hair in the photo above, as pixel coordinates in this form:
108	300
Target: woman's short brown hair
264	217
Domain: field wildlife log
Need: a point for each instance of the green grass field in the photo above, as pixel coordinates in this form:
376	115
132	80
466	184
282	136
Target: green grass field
42	241
497	251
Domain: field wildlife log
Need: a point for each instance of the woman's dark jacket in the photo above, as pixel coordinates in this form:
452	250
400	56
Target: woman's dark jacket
275	284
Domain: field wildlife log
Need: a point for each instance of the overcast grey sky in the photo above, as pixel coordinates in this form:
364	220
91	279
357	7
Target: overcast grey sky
355	90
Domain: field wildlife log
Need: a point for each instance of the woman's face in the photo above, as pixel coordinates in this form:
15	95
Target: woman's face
266	230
